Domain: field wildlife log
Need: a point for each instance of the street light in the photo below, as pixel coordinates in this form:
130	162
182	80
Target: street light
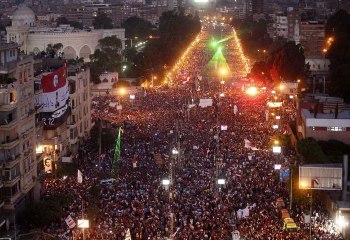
221	181
166	182
175	151
83	224
341	222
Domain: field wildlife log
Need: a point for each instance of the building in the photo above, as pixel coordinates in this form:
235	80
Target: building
17	130
35	39
312	38
281	25
65	112
293	19
79	122
324	118
257	6
319	71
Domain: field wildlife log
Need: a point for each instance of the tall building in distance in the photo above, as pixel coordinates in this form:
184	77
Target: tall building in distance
257	6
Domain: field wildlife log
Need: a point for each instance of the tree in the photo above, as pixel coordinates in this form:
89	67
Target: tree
52	50
106	57
337	36
102	21
288	63
260	71
62	20
137	27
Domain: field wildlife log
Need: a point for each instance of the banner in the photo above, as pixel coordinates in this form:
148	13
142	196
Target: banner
249	144
205	102
80	177
54	101
48	165
70	222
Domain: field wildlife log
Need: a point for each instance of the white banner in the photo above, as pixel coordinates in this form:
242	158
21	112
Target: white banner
70	222
80	177
205	102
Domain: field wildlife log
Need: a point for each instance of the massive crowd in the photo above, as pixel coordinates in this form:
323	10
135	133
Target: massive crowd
194	206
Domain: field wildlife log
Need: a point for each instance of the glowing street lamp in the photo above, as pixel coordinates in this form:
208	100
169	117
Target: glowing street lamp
83	224
175	151
252	91
122	91
165	182
221	181
341	222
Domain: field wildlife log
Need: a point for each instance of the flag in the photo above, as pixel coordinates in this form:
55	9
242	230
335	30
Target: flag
80	177
70	222
249	144
115	164
128	235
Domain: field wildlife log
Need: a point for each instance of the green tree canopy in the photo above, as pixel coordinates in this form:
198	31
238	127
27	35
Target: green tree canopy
106	57
102	21
137	27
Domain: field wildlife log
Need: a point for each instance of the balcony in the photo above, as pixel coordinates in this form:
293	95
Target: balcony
5	125
11	182
10	201
12	161
9	144
8	107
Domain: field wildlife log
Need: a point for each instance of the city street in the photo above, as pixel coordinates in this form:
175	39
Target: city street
196	159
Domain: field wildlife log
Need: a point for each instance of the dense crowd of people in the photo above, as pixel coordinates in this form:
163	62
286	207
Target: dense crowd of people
194	205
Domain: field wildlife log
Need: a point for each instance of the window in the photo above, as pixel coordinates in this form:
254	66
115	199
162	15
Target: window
336	129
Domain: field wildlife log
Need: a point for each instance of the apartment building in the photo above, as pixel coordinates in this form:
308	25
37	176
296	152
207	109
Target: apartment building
281	25
312	37
17	130
80	121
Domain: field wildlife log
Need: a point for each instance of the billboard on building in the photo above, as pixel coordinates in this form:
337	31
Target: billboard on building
54	101
321	177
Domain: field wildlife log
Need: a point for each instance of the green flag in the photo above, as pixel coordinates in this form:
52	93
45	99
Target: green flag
115	164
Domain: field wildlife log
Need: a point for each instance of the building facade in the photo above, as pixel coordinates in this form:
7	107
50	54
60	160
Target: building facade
17	129
312	38
35	39
281	25
324	118
80	121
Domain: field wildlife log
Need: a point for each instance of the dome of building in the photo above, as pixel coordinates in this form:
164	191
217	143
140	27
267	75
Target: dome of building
23	16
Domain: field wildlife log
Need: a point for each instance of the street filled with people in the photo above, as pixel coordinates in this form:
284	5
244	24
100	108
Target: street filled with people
211	139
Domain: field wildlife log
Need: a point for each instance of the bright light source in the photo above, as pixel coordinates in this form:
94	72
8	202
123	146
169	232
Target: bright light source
281	87
252	91
221	181
273	91
122	91
223	71
303	184
291	96
222	94
278	117
276	149
223	127
132	96
275	126
175	151
341	222
83	223
166	182
278	166
276	142
39	149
